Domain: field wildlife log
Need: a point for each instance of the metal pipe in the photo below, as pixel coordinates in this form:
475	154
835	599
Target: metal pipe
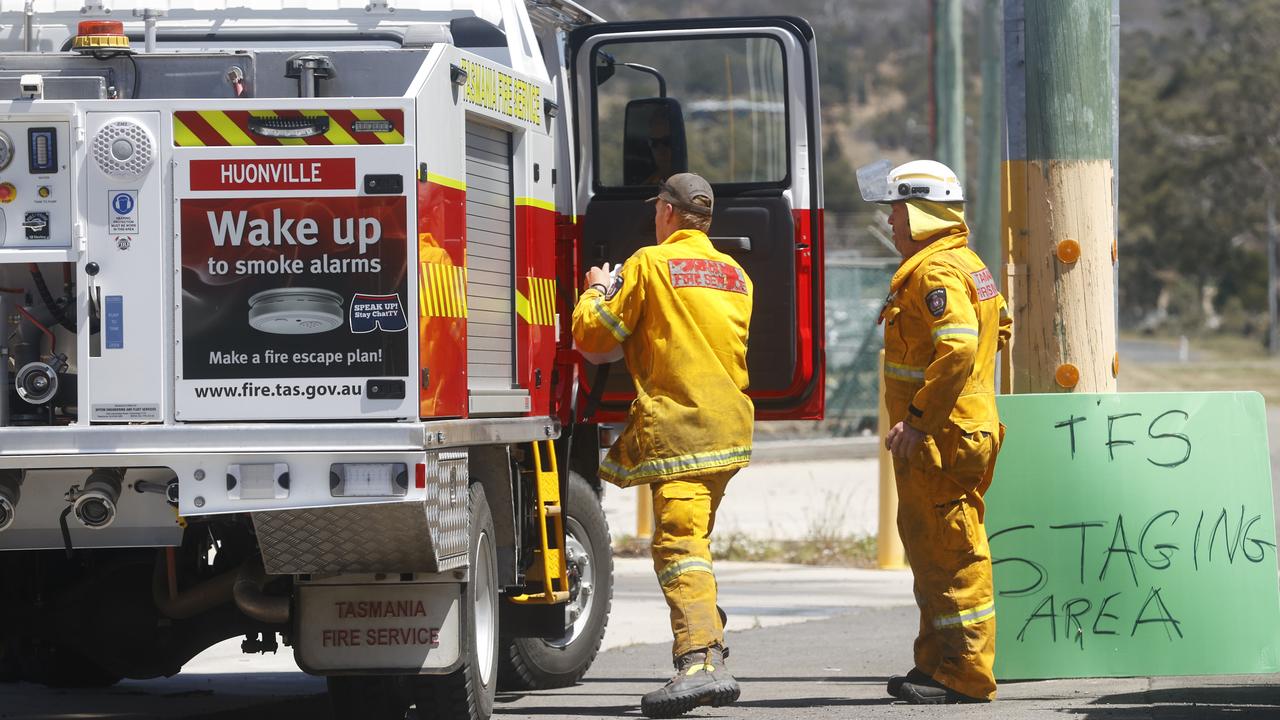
149	23
28	12
95	505
10	494
662	82
307	82
252	601
211	593
169	489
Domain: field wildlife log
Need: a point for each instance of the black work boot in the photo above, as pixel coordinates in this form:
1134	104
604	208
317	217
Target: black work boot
701	679
931	692
914	675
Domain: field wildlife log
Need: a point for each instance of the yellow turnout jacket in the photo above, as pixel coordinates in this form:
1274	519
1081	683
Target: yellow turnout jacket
944	323
681	316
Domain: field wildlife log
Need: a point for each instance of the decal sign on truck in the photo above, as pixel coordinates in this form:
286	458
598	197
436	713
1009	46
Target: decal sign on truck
292	287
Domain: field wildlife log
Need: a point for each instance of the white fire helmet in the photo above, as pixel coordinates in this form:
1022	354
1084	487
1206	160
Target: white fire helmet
916	180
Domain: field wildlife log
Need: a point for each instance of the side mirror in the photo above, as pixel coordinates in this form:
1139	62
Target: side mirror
654	146
605	67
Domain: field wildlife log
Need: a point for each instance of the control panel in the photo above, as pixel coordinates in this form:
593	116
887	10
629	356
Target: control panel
35	185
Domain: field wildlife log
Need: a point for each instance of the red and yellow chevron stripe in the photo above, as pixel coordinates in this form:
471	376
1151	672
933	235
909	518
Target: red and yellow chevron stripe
442	290
223	128
539	308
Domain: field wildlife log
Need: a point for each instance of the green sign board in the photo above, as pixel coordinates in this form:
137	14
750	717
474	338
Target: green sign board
1133	534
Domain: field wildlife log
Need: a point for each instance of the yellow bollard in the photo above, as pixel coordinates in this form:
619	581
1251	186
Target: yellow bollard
890	555
644	511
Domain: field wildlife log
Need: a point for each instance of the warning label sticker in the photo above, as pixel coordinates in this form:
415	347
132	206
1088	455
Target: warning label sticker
126	412
122	215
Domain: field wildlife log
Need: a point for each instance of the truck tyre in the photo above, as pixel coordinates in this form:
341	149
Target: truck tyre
468	692
63	666
356	697
538	664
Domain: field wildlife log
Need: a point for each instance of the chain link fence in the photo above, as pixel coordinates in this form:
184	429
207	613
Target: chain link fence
856	287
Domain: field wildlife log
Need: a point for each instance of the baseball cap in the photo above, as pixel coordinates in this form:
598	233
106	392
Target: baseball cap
687	191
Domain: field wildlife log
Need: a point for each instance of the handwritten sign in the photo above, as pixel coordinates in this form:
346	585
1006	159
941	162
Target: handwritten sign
1133	534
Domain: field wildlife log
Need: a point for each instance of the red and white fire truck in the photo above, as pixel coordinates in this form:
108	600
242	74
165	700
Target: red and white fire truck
284	337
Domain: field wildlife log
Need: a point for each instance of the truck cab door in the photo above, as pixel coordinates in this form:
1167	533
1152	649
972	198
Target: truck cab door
736	101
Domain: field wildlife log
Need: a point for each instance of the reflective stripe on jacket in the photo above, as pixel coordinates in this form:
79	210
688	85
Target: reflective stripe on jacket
681	316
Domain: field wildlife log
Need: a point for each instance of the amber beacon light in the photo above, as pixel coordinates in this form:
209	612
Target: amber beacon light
97	36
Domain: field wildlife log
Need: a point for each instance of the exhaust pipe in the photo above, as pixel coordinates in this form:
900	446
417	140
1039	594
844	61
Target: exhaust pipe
10	494
208	595
251	598
95	505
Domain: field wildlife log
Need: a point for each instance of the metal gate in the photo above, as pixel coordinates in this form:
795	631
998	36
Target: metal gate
490	277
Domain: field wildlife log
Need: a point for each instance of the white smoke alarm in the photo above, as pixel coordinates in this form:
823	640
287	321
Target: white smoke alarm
295	311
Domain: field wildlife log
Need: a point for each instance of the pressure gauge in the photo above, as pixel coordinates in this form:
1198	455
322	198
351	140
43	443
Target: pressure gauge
6	151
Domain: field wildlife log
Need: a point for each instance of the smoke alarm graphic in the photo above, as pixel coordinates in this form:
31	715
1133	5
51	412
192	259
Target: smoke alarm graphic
295	311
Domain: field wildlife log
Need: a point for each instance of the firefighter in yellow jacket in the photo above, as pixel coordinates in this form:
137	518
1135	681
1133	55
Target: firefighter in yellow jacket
944	322
681	313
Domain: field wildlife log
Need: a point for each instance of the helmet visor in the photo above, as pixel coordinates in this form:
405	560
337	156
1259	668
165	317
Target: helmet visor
873	182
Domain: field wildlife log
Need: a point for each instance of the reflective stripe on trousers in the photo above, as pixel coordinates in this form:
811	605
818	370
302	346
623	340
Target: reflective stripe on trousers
684	514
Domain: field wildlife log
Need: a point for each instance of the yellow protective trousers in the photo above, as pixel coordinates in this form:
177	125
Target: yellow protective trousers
684	513
940	519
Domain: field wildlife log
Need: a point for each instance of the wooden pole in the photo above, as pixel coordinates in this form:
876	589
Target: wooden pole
984	198
889	552
948	68
1058	207
1273	336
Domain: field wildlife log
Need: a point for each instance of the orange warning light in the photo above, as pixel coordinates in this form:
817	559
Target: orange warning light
1067	375
100	35
1068	251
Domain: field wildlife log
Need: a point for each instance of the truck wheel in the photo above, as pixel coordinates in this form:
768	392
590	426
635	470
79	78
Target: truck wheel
467	693
356	697
62	666
538	664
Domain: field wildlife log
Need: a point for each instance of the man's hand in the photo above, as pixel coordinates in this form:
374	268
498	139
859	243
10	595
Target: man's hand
599	276
903	440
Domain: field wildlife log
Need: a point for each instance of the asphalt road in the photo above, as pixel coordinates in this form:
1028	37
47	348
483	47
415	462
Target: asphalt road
831	668
798	648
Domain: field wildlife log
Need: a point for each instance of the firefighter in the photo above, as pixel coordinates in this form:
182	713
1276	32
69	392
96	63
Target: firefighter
680	313
944	322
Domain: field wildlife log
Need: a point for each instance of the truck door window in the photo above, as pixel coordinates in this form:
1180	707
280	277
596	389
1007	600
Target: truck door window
728	94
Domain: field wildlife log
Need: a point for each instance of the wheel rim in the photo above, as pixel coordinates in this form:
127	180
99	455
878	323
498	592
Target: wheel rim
578	555
485	610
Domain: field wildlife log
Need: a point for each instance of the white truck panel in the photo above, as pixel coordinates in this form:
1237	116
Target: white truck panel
125	204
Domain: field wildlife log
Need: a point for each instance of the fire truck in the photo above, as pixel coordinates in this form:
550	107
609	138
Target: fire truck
285	347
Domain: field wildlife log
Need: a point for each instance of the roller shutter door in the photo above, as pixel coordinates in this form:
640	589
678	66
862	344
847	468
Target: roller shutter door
490	286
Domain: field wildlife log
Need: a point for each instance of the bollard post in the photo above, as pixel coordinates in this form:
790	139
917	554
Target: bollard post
889	553
644	511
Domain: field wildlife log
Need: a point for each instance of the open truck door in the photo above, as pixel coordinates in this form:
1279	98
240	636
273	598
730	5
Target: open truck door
736	101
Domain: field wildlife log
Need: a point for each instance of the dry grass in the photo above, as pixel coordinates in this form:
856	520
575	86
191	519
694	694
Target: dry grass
1218	363
824	543
846	551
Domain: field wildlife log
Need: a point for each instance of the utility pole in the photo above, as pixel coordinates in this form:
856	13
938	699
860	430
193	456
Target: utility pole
1059	227
1273	312
985	235
948	84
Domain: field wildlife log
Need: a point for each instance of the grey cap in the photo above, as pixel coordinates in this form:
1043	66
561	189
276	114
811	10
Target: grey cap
687	192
